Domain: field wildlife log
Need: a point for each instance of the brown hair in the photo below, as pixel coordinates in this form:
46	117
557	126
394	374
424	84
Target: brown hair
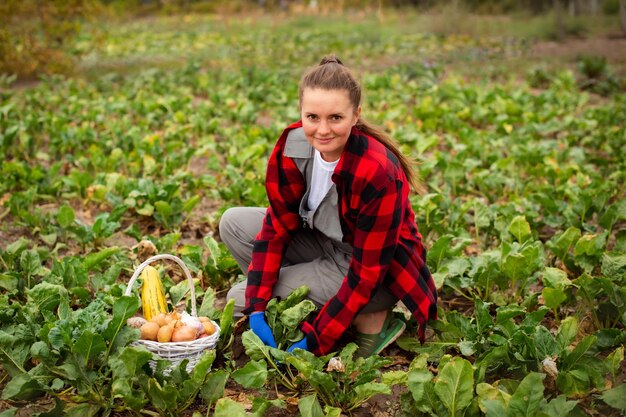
331	74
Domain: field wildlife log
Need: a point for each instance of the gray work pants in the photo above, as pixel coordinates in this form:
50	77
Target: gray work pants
311	259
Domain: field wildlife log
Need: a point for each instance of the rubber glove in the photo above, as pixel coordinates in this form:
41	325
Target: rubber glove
298	345
260	327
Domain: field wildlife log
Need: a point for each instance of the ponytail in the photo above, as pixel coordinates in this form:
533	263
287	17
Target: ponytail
406	162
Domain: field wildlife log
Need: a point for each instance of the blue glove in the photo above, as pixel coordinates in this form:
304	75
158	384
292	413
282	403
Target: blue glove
298	345
260	328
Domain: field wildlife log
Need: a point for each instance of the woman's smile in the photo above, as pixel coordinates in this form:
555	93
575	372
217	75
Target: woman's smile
327	119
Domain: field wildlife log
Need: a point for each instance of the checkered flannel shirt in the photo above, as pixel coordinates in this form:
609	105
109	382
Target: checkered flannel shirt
376	219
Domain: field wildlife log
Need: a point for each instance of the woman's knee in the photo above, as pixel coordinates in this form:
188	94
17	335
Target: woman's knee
238	293
227	223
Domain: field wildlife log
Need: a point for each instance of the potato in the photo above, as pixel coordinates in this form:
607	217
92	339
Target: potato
160	319
209	328
149	331
183	334
165	334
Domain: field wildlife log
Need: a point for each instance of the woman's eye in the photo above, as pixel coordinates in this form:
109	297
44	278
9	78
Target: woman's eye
335	118
311	117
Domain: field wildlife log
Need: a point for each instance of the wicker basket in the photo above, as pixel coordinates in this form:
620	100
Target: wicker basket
176	352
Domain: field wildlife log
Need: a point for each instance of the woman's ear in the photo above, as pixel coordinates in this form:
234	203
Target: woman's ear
357	115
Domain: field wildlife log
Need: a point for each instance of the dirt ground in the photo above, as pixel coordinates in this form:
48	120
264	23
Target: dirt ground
612	47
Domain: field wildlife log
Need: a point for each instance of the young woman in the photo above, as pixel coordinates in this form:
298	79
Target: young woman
339	221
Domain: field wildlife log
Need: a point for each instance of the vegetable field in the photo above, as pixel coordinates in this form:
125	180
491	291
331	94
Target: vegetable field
169	121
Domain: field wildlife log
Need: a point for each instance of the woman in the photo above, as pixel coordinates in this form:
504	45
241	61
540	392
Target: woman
339	222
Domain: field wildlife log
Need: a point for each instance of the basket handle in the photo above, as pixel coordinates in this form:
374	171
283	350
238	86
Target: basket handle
172	258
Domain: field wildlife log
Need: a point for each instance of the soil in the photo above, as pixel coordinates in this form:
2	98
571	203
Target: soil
612	47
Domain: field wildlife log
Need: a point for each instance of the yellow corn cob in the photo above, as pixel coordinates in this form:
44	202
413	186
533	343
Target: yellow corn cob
152	293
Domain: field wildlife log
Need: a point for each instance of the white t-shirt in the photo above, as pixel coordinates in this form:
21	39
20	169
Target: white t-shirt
320	180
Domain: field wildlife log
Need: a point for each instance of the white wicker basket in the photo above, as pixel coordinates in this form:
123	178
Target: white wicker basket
176	352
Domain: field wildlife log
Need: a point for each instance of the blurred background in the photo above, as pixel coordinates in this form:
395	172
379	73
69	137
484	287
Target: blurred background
91	37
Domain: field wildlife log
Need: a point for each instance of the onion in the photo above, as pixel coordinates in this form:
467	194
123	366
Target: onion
184	334
193	322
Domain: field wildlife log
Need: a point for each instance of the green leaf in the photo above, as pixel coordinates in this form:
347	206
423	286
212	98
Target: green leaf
332	411
591	245
128	363
83	410
164	208
293	316
163	398
366	391
575	382
553	297
561	244
214	250
567	332
203	366
18	246
433	349
179	291
22	387
206	309
559	407
545	344
455	385
30	262
614	266
505	313
88	346
225	407
213	389
579	351
226	325
482	216
309	406
260	405
252	375
519	228
486	392
146	210
65	216
9	412
438	252
555	278
484	321
94	259
123	308
255	348
527	398
614	360
47	297
8	282
191	203
494	408
616	397
392	378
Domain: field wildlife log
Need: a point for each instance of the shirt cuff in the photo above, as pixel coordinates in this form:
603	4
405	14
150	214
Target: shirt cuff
312	339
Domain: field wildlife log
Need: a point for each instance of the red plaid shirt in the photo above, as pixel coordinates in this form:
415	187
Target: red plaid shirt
376	219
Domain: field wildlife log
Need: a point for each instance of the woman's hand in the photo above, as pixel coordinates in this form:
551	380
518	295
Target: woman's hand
260	327
298	345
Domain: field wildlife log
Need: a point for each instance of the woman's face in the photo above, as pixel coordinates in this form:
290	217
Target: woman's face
327	118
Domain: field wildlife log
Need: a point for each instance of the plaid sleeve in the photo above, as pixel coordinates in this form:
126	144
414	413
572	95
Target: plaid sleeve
376	236
285	187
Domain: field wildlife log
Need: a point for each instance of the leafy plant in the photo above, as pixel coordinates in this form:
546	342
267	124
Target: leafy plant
340	382
284	318
448	394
